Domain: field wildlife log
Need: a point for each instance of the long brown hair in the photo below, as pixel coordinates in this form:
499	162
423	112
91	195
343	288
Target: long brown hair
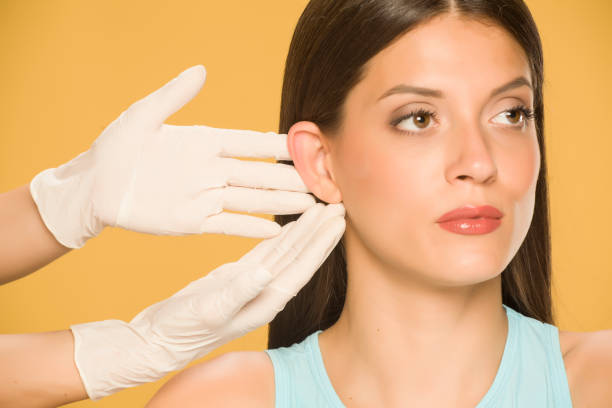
328	55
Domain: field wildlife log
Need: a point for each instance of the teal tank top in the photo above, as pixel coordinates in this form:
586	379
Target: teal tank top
531	372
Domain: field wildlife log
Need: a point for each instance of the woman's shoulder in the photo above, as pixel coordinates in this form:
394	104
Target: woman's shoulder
588	362
240	378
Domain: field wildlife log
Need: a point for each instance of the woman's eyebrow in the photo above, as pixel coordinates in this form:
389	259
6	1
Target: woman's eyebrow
436	93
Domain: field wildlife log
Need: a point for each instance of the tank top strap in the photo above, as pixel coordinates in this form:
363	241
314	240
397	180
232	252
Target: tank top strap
544	337
536	377
560	382
299	376
320	374
508	364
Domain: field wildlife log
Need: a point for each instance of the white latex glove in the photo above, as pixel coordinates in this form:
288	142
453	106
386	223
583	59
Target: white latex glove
230	301
146	176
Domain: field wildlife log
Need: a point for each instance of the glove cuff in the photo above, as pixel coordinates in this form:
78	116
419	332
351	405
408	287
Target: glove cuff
62	196
110	355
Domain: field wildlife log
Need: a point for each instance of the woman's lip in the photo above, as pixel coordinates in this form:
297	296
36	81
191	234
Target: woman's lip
471	226
470	211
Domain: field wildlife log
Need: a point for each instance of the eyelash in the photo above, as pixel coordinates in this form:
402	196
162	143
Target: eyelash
528	115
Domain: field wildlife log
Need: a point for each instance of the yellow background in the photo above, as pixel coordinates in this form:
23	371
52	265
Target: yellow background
71	67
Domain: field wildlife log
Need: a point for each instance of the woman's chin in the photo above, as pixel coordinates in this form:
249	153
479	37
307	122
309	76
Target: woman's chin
467	272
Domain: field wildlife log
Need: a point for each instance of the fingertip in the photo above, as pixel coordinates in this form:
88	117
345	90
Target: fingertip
337	224
336	209
196	70
340	221
193	78
202	71
272	230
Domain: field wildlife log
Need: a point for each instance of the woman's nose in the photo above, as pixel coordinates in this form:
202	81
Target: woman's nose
471	156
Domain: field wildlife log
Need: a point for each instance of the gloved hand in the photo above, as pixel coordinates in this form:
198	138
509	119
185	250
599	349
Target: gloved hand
230	301
146	176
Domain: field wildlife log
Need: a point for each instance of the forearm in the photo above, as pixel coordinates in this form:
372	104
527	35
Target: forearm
25	242
38	370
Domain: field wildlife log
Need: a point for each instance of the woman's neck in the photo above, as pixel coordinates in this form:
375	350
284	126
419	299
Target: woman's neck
399	339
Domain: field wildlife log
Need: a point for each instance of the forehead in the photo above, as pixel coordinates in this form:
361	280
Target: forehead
450	53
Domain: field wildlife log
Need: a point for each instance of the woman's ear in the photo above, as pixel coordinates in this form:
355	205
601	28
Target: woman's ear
312	159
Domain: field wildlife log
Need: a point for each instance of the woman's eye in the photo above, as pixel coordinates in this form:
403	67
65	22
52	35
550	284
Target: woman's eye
515	114
419	120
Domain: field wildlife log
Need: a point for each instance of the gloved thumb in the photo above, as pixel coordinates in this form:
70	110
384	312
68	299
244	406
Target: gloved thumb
156	107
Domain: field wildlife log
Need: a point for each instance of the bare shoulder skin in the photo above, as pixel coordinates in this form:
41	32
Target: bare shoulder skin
235	379
588	362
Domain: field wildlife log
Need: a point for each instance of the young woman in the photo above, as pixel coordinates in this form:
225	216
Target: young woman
425	119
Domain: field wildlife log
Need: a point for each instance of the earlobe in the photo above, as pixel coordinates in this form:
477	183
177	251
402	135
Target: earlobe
312	160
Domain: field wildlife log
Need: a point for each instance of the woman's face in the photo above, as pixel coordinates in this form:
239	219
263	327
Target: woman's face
473	150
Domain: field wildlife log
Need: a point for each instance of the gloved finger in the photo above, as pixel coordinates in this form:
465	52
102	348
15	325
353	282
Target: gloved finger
300	234
304	224
251	278
265	201
249	282
260	250
277	176
259	311
239	224
273	298
156	107
251	143
297	270
264	249
255	255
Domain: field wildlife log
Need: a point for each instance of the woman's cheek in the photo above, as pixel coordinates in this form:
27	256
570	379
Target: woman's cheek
519	170
524	191
399	187
385	180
